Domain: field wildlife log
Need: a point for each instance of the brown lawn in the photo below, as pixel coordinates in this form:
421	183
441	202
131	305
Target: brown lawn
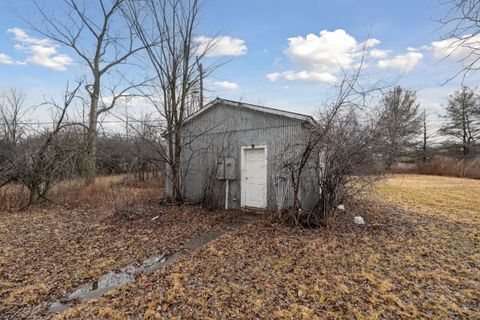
456	198
418	256
46	252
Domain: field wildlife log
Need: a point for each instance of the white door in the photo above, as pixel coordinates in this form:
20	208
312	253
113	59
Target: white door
255	178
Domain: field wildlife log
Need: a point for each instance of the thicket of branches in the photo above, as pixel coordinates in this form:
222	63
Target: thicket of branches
342	155
37	160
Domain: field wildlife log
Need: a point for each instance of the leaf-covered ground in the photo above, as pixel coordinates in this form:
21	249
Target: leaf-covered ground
418	264
48	251
418	256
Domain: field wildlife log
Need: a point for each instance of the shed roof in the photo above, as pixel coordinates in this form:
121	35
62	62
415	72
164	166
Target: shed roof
249	106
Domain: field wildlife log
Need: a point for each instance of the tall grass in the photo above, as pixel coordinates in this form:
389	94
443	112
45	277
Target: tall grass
108	192
445	166
13	197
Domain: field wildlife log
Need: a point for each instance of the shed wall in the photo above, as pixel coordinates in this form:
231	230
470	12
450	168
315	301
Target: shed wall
221	132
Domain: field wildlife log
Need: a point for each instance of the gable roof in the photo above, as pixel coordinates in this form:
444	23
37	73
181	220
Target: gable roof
238	104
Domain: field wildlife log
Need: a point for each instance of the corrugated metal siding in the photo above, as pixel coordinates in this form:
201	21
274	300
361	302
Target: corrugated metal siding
221	132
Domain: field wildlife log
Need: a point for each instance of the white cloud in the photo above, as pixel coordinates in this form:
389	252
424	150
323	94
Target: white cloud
307	76
327	52
220	46
404	62
372	42
459	49
226	85
379	54
41	51
320	57
274	76
5	59
22	36
48	57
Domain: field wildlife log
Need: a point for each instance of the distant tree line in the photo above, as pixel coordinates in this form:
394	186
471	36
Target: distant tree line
38	157
405	127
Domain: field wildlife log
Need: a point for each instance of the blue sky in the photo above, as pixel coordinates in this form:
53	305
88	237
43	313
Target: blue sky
282	53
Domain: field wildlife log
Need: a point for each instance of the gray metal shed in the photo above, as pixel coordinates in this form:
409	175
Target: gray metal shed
233	155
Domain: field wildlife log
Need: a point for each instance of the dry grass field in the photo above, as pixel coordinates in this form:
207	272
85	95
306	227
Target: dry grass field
456	198
417	256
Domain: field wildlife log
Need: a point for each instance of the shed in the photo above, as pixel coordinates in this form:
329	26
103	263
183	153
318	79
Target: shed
232	156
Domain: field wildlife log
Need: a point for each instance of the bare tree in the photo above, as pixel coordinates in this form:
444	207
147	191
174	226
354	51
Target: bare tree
12	111
295	160
463	115
40	159
103	42
145	142
348	162
298	156
12	130
400	121
461	27
341	155
175	58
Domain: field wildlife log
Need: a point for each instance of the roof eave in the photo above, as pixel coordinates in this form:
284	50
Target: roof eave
287	114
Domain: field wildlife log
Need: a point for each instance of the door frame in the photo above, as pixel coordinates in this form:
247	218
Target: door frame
243	190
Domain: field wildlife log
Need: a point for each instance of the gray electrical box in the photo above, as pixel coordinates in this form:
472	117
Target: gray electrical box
226	169
221	169
230	168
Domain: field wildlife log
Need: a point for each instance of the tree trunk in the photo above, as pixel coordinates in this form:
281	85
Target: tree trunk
466	147
296	200
176	192
91	146
90	156
424	147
